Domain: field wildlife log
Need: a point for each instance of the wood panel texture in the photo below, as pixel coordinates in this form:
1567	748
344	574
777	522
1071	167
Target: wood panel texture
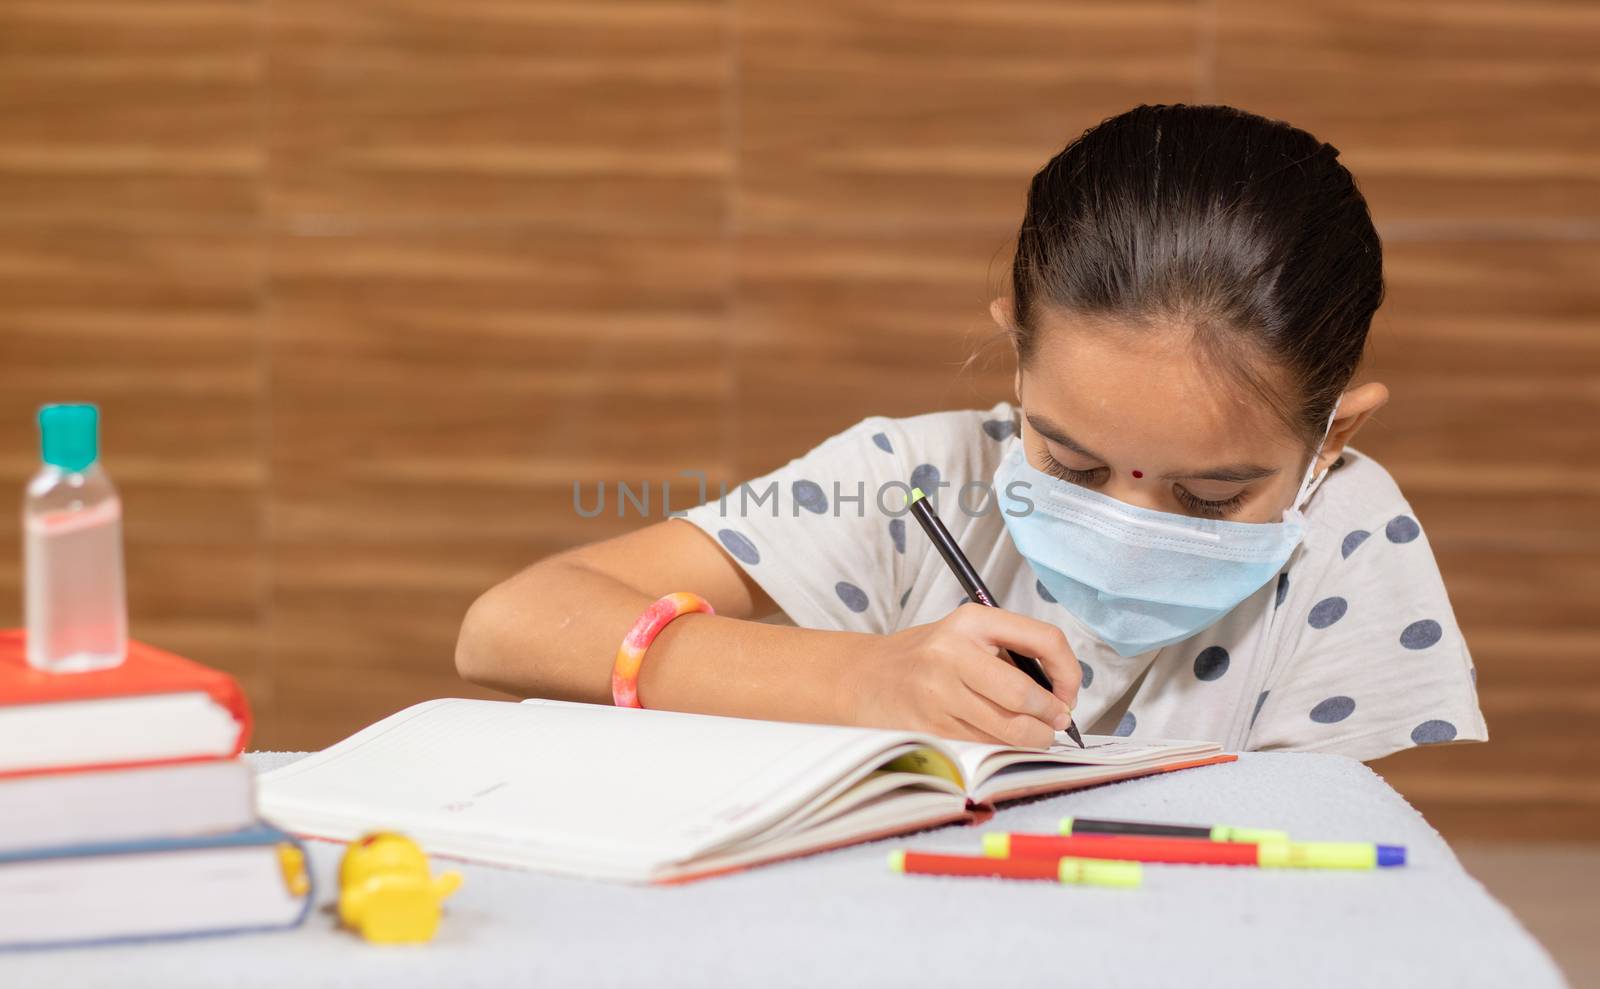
426	440
141	114
365	288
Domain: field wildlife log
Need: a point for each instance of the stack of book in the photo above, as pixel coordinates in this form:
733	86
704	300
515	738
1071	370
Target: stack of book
125	811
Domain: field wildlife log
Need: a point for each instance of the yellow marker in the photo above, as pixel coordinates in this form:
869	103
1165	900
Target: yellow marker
1073	871
1328	855
386	893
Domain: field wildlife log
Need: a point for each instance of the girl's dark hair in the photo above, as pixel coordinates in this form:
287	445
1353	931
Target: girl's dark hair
1245	230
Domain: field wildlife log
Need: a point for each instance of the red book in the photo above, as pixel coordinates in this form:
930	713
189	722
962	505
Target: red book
156	708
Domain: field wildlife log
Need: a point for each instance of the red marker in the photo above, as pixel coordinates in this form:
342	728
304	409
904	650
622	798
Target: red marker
1125	847
1060	870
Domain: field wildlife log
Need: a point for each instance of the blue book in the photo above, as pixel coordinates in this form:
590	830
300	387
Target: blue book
255	879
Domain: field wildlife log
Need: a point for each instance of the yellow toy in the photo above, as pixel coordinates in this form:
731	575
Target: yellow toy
385	892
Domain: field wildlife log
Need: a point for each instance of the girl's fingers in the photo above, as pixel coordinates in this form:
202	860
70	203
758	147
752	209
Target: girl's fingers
992	676
1008	691
966	730
1002	629
1005	726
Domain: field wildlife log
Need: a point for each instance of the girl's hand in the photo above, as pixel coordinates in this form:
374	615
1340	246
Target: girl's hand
952	679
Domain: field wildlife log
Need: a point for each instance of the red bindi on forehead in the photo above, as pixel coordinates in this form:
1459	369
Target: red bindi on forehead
1138	473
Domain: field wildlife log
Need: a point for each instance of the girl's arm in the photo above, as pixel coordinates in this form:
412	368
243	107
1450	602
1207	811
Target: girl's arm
553	631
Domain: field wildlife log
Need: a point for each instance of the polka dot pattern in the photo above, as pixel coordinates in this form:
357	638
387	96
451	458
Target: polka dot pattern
1421	635
1211	663
808	495
853	597
1333	710
926	477
1433	732
740	546
1403	596
1402	529
999	429
1327	611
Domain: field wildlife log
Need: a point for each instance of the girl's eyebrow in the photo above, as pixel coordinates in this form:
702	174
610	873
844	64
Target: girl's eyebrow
1050	431
1233	473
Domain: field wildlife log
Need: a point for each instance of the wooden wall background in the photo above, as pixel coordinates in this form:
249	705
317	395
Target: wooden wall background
363	287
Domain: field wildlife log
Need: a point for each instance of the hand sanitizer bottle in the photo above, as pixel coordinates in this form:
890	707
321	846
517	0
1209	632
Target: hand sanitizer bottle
75	598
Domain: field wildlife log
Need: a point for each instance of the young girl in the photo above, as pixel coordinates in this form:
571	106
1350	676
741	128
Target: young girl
1170	514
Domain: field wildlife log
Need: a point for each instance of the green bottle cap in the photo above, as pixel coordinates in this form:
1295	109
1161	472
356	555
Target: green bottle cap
69	435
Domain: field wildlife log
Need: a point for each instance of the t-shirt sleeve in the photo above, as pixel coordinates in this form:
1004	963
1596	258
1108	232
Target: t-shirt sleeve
1371	658
825	534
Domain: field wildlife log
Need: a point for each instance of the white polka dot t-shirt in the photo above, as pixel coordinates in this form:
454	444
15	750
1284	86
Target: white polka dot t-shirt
1352	649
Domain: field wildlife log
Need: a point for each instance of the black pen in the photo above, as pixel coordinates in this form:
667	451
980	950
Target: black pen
926	517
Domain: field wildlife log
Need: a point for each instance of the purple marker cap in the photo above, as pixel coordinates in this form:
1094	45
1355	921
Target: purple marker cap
1389	855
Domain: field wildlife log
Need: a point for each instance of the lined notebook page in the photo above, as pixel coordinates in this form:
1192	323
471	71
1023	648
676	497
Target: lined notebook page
1106	751
643	787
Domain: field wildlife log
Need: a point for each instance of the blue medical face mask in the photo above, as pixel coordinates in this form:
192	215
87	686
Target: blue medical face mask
1140	579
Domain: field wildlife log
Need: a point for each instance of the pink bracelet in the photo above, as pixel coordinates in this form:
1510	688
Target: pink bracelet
625	671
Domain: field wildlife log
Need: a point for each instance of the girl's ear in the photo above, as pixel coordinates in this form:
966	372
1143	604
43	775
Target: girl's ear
1001	312
1355	407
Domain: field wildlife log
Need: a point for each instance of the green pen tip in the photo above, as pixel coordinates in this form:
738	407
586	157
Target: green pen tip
917	495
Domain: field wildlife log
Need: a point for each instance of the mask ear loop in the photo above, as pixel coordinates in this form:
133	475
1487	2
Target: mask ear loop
1312	481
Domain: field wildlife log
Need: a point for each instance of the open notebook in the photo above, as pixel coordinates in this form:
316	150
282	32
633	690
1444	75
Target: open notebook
656	796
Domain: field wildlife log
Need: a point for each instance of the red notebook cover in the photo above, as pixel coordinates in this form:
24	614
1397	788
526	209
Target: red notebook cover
147	670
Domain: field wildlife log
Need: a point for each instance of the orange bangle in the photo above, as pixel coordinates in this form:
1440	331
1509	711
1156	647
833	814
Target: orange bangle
625	671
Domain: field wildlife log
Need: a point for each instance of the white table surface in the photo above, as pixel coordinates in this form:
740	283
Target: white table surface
841	919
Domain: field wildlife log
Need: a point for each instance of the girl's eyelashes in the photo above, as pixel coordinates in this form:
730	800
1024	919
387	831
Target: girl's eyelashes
1087	478
1209	509
1190	503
